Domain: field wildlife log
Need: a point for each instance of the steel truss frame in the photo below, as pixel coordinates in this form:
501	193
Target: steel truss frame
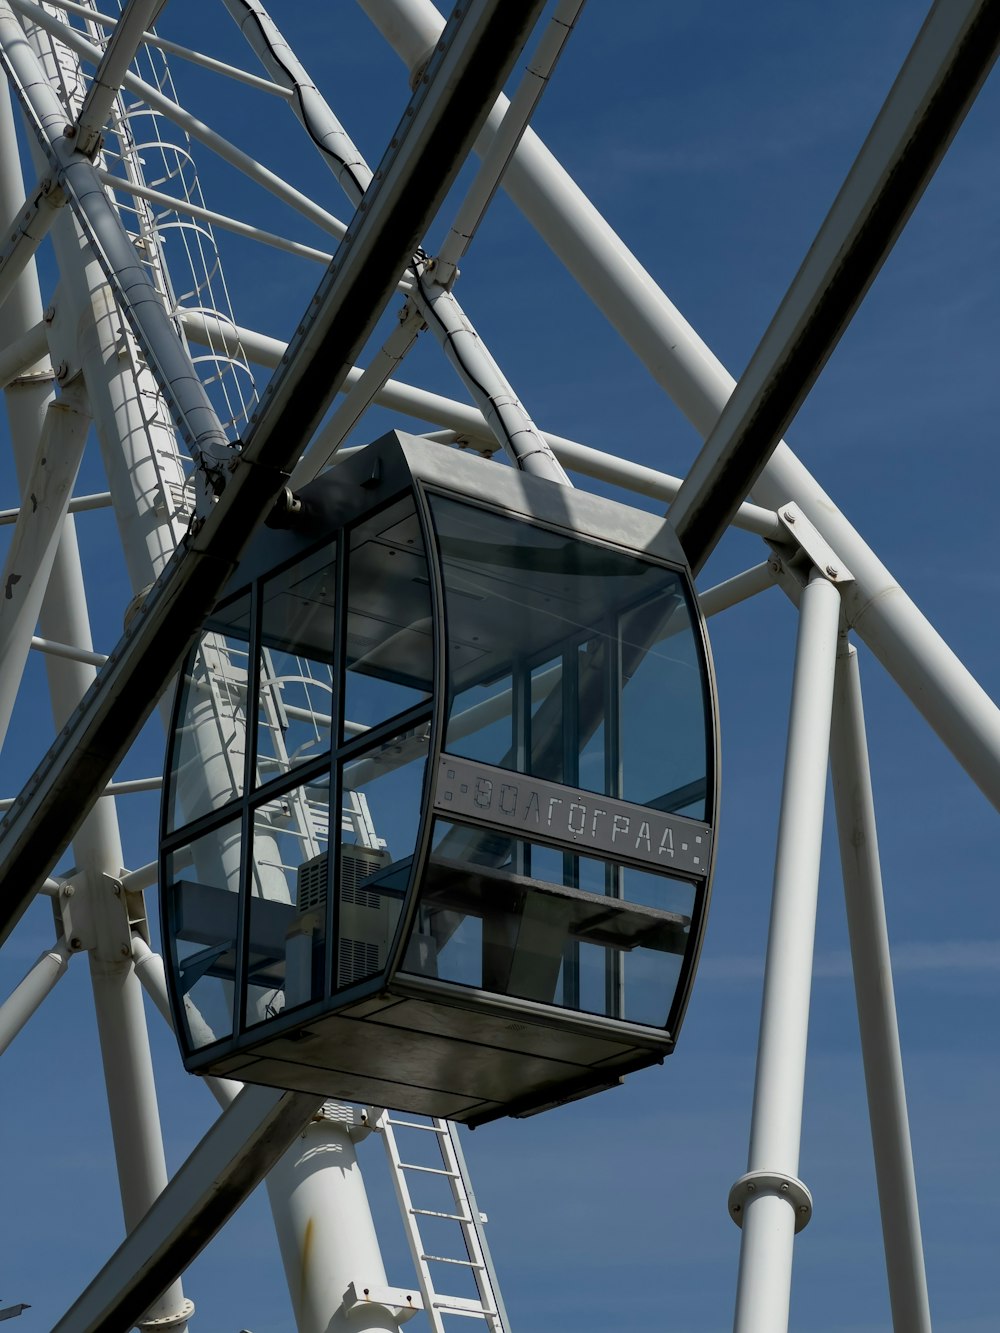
822	564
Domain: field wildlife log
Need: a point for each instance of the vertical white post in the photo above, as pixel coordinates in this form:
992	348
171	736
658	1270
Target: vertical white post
97	846
897	1188
769	1201
326	1232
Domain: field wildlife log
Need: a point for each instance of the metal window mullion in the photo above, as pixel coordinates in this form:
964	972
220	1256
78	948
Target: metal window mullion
338	743
247	808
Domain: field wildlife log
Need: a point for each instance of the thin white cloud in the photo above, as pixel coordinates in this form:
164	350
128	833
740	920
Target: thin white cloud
945	956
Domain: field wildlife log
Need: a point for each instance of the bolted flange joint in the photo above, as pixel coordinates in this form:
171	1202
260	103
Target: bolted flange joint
778	1183
168	1321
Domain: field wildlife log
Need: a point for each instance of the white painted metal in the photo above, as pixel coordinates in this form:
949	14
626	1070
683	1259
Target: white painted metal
502	411
229	152
317	1194
881	612
324	1223
37	532
769	1216
487	1305
28	995
230	1160
873	988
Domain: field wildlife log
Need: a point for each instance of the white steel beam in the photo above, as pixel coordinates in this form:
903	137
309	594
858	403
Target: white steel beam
873	989
174	48
141	303
904	641
468	422
126	38
244	162
953	53
228	1163
78	504
31	991
437	130
22	353
26	231
36	537
502	410
767	1200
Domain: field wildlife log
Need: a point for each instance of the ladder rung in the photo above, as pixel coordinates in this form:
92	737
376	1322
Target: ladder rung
450	1217
411	1124
442	1259
430	1170
461	1305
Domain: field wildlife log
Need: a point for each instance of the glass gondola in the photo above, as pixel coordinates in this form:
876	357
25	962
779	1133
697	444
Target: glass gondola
437	830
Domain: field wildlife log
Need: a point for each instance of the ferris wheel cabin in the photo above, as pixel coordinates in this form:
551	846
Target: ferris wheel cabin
437	830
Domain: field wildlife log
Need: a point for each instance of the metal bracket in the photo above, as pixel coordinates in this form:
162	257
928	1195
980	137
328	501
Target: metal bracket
357	1120
400	1303
778	1183
804	549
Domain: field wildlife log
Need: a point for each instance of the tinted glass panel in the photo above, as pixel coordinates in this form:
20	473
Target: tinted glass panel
380	823
209	746
571	661
295	693
390	641
287	938
663	738
568	934
203	902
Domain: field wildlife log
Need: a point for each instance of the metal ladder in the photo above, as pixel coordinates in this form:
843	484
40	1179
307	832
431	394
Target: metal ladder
464	1213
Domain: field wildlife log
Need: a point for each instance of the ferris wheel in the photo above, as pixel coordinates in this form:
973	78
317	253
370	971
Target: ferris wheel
338	427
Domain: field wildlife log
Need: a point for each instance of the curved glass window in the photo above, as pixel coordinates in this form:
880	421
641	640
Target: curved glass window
295	687
389	647
571	661
208	754
536	924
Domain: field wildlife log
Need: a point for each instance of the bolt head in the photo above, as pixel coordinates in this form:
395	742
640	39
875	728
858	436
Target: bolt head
832	570
788	516
76	942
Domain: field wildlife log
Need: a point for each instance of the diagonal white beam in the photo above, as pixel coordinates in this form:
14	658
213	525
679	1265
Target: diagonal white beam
124	42
436	133
468	422
911	650
953	53
228	1163
37	533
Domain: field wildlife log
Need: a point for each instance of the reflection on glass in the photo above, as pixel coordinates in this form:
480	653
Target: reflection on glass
295	692
663	729
571	661
481	725
390	639
209	744
203	901
380	819
561	935
288	896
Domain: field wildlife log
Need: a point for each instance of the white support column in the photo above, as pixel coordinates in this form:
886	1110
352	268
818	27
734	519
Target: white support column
31	991
97	844
326	1232
897	1186
36	536
769	1202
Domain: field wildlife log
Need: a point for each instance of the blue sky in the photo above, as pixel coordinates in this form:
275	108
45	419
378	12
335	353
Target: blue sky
713	137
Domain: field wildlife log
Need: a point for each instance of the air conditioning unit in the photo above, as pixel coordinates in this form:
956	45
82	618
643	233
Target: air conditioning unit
367	918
